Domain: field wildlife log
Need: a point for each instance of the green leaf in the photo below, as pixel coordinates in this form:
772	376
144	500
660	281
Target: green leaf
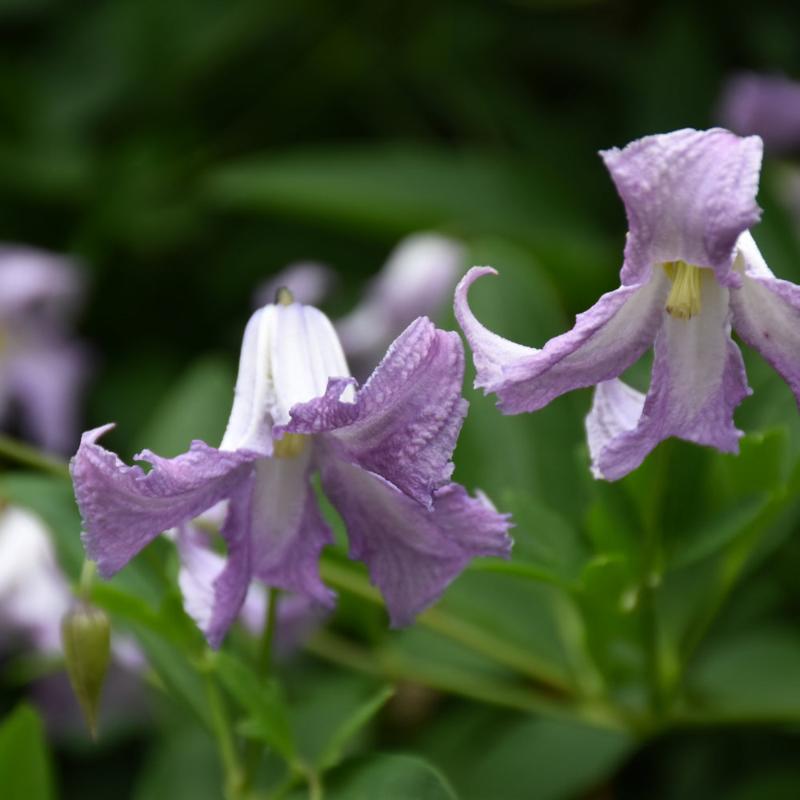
491	754
335	748
751	676
25	768
385	777
544	539
545	759
261	700
182	765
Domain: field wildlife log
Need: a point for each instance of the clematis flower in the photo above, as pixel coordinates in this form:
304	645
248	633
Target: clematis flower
382	452
691	268
42	370
763	105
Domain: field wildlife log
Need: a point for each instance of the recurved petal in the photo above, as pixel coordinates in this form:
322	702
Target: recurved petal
766	314
412	554
688	195
405	420
288	531
616	408
490	352
698	380
605	341
124	508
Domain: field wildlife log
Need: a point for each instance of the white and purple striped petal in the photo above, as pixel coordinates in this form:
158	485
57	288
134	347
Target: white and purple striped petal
766	314
698	380
688	195
412	553
288	531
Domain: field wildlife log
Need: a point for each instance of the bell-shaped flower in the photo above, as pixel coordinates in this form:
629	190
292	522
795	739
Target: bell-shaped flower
691	268
42	370
382	452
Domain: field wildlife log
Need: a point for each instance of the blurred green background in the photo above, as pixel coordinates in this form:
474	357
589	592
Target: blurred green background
186	150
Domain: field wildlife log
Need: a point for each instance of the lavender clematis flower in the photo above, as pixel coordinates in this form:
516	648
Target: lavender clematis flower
41	370
763	105
691	269
383	453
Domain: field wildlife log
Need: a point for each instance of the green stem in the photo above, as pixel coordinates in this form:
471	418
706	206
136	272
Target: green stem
255	748
395	666
465	633
31	457
88	571
226	743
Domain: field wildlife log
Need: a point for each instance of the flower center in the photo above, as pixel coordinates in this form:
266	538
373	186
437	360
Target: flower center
290	446
683	301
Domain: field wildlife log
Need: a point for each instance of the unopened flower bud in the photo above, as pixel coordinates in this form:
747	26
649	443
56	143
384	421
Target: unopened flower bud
86	636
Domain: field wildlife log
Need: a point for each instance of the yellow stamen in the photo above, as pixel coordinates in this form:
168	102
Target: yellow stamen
290	446
683	301
284	296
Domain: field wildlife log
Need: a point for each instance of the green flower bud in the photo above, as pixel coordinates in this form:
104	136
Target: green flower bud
86	637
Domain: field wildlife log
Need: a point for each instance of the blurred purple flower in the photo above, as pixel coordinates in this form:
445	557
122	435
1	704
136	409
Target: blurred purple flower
42	370
763	105
383	453
34	594
417	280
691	267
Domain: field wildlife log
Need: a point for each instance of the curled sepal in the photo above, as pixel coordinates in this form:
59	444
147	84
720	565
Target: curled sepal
86	637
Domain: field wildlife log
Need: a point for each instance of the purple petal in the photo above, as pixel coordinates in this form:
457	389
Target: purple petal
124	508
616	408
605	341
405	421
763	105
698	380
412	554
766	314
490	352
688	196
232	584
288	531
214	588
46	378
